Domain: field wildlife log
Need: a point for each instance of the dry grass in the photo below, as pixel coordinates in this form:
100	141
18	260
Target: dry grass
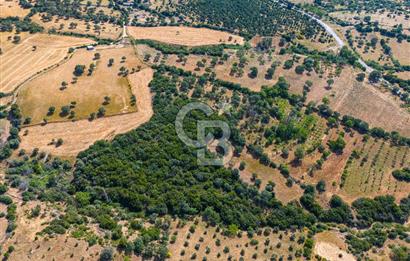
401	51
29	246
12	8
403	75
182	35
265	174
261	61
385	19
88	92
6	39
106	30
364	101
81	134
32	55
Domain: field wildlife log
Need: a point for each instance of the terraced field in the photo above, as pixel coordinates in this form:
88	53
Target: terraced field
370	173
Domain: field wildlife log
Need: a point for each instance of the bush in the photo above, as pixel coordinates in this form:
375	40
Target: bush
107	254
402	174
5	200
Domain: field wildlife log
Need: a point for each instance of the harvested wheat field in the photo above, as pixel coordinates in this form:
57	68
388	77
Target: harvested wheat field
85	93
33	55
12	8
79	135
183	35
7	39
72	25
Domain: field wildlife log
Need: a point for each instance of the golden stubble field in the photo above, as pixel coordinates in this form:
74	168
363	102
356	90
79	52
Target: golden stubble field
183	35
12	8
35	53
86	91
79	135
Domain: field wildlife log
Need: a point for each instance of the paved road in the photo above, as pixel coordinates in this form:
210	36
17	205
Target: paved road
338	40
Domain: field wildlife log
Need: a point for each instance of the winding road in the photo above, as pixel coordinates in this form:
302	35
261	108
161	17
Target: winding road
330	31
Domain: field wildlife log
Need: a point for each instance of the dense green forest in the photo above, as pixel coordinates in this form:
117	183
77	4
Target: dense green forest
250	17
150	170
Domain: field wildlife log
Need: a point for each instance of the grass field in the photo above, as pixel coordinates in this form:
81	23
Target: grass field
182	35
79	135
370	174
87	92
34	54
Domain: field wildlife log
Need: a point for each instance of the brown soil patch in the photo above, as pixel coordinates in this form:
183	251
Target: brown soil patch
12	8
183	35
32	55
88	91
81	134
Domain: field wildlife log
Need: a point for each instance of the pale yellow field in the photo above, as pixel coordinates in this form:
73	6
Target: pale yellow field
182	35
34	54
88	92
6	39
79	135
12	8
